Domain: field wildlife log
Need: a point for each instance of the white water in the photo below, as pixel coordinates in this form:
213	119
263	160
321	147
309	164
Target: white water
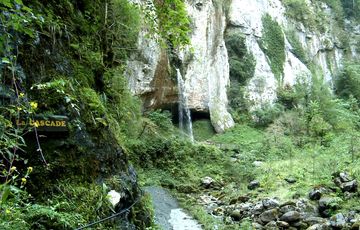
185	123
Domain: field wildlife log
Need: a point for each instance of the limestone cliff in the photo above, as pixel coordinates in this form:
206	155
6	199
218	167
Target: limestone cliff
318	48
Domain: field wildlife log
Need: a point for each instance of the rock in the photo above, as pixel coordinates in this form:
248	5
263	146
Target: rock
318	227
219	211
344	177
270	203
258	208
258	163
257	226
315	194
350	186
114	197
287	208
290	180
207	182
282	224
291	216
236	215
253	185
299	225
240	199
355	226
269	215
326	203
312	220
304	206
338	221
271	226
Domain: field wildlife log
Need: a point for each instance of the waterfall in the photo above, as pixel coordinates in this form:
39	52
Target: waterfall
185	123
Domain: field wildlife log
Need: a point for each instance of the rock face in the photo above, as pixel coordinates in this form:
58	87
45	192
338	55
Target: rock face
205	65
207	73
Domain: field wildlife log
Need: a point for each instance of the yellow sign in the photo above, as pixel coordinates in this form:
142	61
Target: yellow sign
46	124
41	123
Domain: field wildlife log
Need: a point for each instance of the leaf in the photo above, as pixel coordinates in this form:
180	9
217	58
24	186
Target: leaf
5	60
5	194
6	3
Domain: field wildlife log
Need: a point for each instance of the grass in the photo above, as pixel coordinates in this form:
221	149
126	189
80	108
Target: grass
229	161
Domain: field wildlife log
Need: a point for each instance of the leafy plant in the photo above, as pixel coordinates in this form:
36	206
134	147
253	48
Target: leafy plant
273	45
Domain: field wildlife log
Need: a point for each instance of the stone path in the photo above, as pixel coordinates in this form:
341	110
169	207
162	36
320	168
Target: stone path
168	214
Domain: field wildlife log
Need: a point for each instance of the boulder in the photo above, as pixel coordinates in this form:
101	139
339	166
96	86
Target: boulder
291	216
282	224
253	185
290	180
207	182
315	194
344	177
338	221
269	215
287	208
328	203
271	226
312	220
355	226
270	203
236	215
350	186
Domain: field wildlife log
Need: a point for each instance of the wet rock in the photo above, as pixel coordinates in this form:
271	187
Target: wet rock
270	203
290	180
269	215
291	216
253	185
338	221
350	186
207	182
315	194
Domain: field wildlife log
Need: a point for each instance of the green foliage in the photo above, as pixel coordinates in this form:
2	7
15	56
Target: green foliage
242	63
203	130
297	48
348	81
171	22
266	114
242	68
351	8
273	45
301	11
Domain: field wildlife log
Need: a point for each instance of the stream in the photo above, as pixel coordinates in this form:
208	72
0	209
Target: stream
168	214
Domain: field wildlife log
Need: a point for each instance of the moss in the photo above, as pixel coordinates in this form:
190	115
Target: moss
273	45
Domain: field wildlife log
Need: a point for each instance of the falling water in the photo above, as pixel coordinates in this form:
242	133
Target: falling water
185	123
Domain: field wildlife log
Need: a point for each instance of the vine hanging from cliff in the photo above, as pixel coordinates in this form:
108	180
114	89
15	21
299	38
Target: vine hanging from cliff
170	22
